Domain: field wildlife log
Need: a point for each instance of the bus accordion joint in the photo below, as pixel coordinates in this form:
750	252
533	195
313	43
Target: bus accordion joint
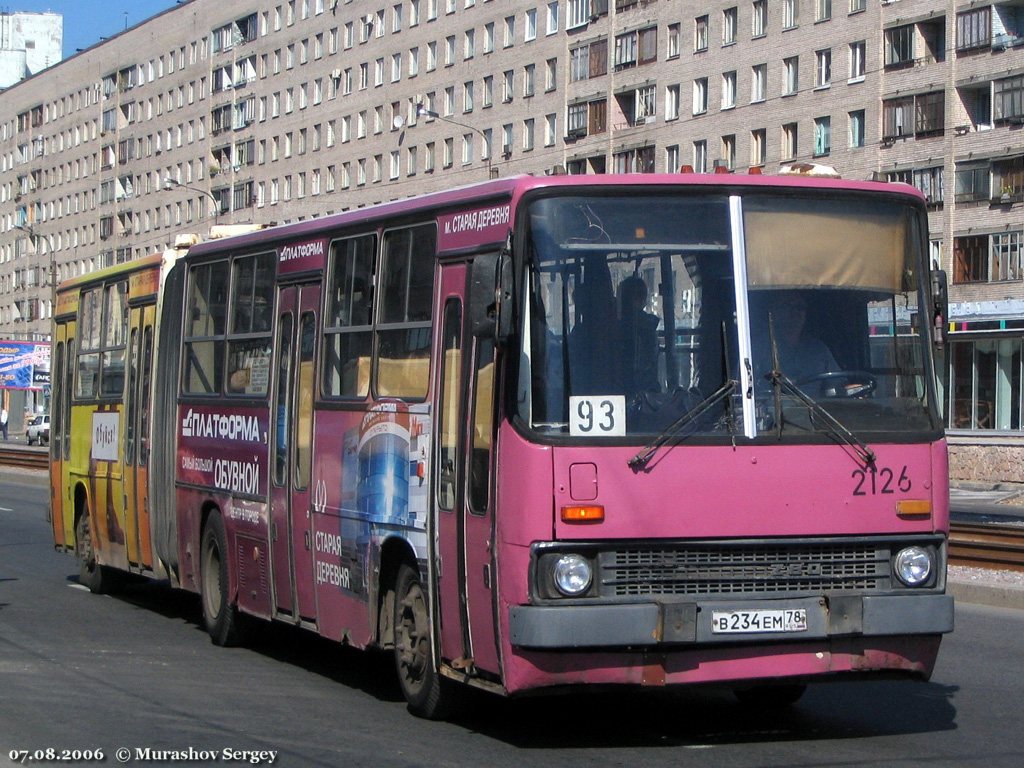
583	513
913	509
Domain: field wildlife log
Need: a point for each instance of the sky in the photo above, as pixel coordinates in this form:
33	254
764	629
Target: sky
86	21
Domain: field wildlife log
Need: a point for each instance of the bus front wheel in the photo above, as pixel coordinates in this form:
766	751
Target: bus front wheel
426	693
221	616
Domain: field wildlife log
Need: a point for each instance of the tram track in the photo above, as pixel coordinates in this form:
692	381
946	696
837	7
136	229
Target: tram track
987	545
24	459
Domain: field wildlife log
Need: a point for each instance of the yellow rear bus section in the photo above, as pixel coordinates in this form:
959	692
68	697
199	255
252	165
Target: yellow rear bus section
100	454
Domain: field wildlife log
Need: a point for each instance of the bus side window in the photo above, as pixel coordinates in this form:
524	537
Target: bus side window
348	337
205	328
402	365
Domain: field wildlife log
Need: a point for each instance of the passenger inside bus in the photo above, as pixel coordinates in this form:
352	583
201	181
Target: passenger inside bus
594	339
639	338
802	354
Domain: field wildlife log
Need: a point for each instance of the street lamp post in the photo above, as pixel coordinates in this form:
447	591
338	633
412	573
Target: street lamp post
170	184
423	111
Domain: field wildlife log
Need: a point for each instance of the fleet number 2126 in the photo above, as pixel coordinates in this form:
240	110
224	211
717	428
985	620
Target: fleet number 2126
880	481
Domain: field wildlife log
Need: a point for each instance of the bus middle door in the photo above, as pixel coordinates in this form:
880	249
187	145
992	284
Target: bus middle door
292	453
464	516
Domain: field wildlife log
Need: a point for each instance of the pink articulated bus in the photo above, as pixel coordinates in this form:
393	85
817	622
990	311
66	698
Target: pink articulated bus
536	433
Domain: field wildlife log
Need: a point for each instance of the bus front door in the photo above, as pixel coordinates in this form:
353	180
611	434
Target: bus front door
464	518
292	454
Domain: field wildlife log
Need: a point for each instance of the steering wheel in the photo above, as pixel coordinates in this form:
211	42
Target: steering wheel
843	384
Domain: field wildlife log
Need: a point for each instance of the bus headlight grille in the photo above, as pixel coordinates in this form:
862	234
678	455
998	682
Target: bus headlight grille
744	569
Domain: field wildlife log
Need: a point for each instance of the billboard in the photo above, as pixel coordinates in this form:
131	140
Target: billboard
24	364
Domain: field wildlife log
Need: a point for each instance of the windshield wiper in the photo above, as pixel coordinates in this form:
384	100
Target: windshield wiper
782	382
643	458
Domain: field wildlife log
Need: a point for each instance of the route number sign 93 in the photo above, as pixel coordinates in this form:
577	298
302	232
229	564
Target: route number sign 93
597	416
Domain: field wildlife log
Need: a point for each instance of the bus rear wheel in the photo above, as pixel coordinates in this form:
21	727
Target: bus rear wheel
221	616
427	694
91	574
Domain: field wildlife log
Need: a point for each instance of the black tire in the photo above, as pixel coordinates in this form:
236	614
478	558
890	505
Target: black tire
95	577
771	696
223	620
428	696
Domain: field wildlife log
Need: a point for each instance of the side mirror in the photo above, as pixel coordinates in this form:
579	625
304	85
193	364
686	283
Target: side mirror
490	296
503	297
482	295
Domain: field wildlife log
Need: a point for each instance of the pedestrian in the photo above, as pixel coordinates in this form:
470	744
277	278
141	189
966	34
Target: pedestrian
3	422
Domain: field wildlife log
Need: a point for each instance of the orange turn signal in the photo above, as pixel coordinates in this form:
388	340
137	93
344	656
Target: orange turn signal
592	513
913	508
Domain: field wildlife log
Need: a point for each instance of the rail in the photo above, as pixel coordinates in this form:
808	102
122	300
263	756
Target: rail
987	546
24	458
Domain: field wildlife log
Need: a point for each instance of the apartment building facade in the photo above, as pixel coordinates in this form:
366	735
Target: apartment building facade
275	111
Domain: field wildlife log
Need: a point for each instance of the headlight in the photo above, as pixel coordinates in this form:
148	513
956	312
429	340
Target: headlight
572	575
914	565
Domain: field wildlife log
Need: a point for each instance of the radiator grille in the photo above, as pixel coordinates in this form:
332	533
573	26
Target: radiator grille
738	569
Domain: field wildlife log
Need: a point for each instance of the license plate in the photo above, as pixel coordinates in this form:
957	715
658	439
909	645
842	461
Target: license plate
789	620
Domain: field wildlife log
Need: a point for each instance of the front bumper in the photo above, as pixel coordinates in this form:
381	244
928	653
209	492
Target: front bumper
652	624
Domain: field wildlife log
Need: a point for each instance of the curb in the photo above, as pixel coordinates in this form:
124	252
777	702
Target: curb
998	596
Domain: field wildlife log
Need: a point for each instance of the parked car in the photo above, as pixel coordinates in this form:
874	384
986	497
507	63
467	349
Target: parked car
38	430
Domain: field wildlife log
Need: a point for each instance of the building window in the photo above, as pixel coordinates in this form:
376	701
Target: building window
1008	100
671	102
578	13
823	69
672	49
1006	256
729	26
700	156
758	82
972	182
970	259
758	150
729	151
974	29
790	75
790	13
789	141
929	111
858	67
639	160
576	121
672	162
728	90
822	10
899	47
822	136
700	34
920	115
759	18
857	128
700	96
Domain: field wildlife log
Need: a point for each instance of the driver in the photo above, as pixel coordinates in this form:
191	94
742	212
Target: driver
802	355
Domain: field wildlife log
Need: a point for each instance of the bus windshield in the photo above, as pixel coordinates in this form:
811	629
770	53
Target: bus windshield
645	311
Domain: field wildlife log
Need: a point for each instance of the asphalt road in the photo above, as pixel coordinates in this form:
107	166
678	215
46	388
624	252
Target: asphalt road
136	671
